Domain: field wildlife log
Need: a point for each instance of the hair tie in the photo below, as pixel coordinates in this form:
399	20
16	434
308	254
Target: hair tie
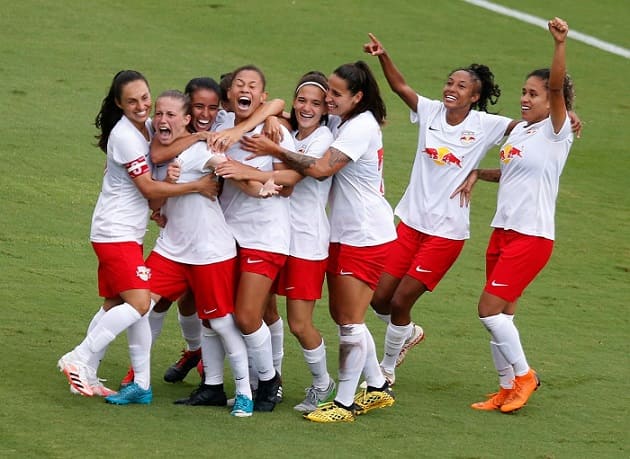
314	83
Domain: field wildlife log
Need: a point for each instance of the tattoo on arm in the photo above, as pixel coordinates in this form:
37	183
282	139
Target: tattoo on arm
337	157
297	162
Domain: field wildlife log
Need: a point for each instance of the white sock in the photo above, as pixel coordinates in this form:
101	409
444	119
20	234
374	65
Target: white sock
111	324
95	358
259	348
371	370
253	372
191	330
352	353
508	342
316	361
236	351
276	330
395	337
212	355
384	317
156	322
504	368
139	337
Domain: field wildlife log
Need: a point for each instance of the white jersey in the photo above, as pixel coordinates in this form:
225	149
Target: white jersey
310	230
532	160
359	214
224	120
196	232
445	156
261	224
121	213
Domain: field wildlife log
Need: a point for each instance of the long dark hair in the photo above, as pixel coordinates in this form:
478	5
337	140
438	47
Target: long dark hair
313	77
359	77
489	91
110	113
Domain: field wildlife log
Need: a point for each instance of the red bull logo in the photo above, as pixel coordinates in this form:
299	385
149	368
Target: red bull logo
443	156
467	137
508	152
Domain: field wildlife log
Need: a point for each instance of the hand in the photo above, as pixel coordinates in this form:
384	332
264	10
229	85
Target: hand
559	29
576	124
465	189
208	187
259	145
269	188
234	170
173	171
374	47
272	129
223	140
158	218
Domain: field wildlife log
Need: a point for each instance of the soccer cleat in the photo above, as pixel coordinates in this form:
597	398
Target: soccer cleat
371	398
390	378
232	401
267	394
494	401
330	412
416	338
243	406
206	395
131	393
77	373
524	387
96	384
315	397
178	371
128	379
200	370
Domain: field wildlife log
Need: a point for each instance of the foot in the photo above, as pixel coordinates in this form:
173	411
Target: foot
494	401
371	398
128	379
524	387
390	376
178	371
243	406
267	394
77	373
315	397
331	412
205	395
131	394
416	337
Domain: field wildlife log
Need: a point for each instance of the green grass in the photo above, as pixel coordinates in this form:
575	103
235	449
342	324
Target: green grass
57	62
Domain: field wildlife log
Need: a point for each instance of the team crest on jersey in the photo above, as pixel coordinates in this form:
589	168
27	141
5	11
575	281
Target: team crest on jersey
508	152
143	273
467	137
442	156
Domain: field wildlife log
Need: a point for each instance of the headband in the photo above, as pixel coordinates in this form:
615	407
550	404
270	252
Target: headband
314	83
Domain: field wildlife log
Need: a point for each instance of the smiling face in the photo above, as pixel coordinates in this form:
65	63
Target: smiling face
340	100
170	119
247	93
204	109
135	102
460	91
309	107
534	100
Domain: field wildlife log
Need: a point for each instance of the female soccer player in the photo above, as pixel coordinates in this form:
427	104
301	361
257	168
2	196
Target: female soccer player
196	250
521	243
302	277
118	227
362	229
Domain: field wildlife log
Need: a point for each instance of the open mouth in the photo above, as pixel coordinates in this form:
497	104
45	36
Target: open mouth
244	102
164	133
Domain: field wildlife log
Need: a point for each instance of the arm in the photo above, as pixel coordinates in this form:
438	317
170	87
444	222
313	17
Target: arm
224	139
319	168
162	153
558	110
465	189
152	189
239	171
395	79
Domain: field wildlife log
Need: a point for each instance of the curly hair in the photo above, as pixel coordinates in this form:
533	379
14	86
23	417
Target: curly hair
489	91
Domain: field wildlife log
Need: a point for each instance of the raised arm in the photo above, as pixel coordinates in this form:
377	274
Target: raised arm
162	153
392	74
558	110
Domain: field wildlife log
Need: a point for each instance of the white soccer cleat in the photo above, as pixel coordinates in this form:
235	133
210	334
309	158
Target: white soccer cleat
77	373
417	335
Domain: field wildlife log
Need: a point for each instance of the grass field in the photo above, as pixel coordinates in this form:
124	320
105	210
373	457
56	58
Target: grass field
56	62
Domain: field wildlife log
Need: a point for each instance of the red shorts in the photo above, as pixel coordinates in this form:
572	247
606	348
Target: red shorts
363	263
512	261
255	261
120	267
421	256
301	279
213	285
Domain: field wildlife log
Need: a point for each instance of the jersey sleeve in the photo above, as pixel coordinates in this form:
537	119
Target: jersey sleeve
353	141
